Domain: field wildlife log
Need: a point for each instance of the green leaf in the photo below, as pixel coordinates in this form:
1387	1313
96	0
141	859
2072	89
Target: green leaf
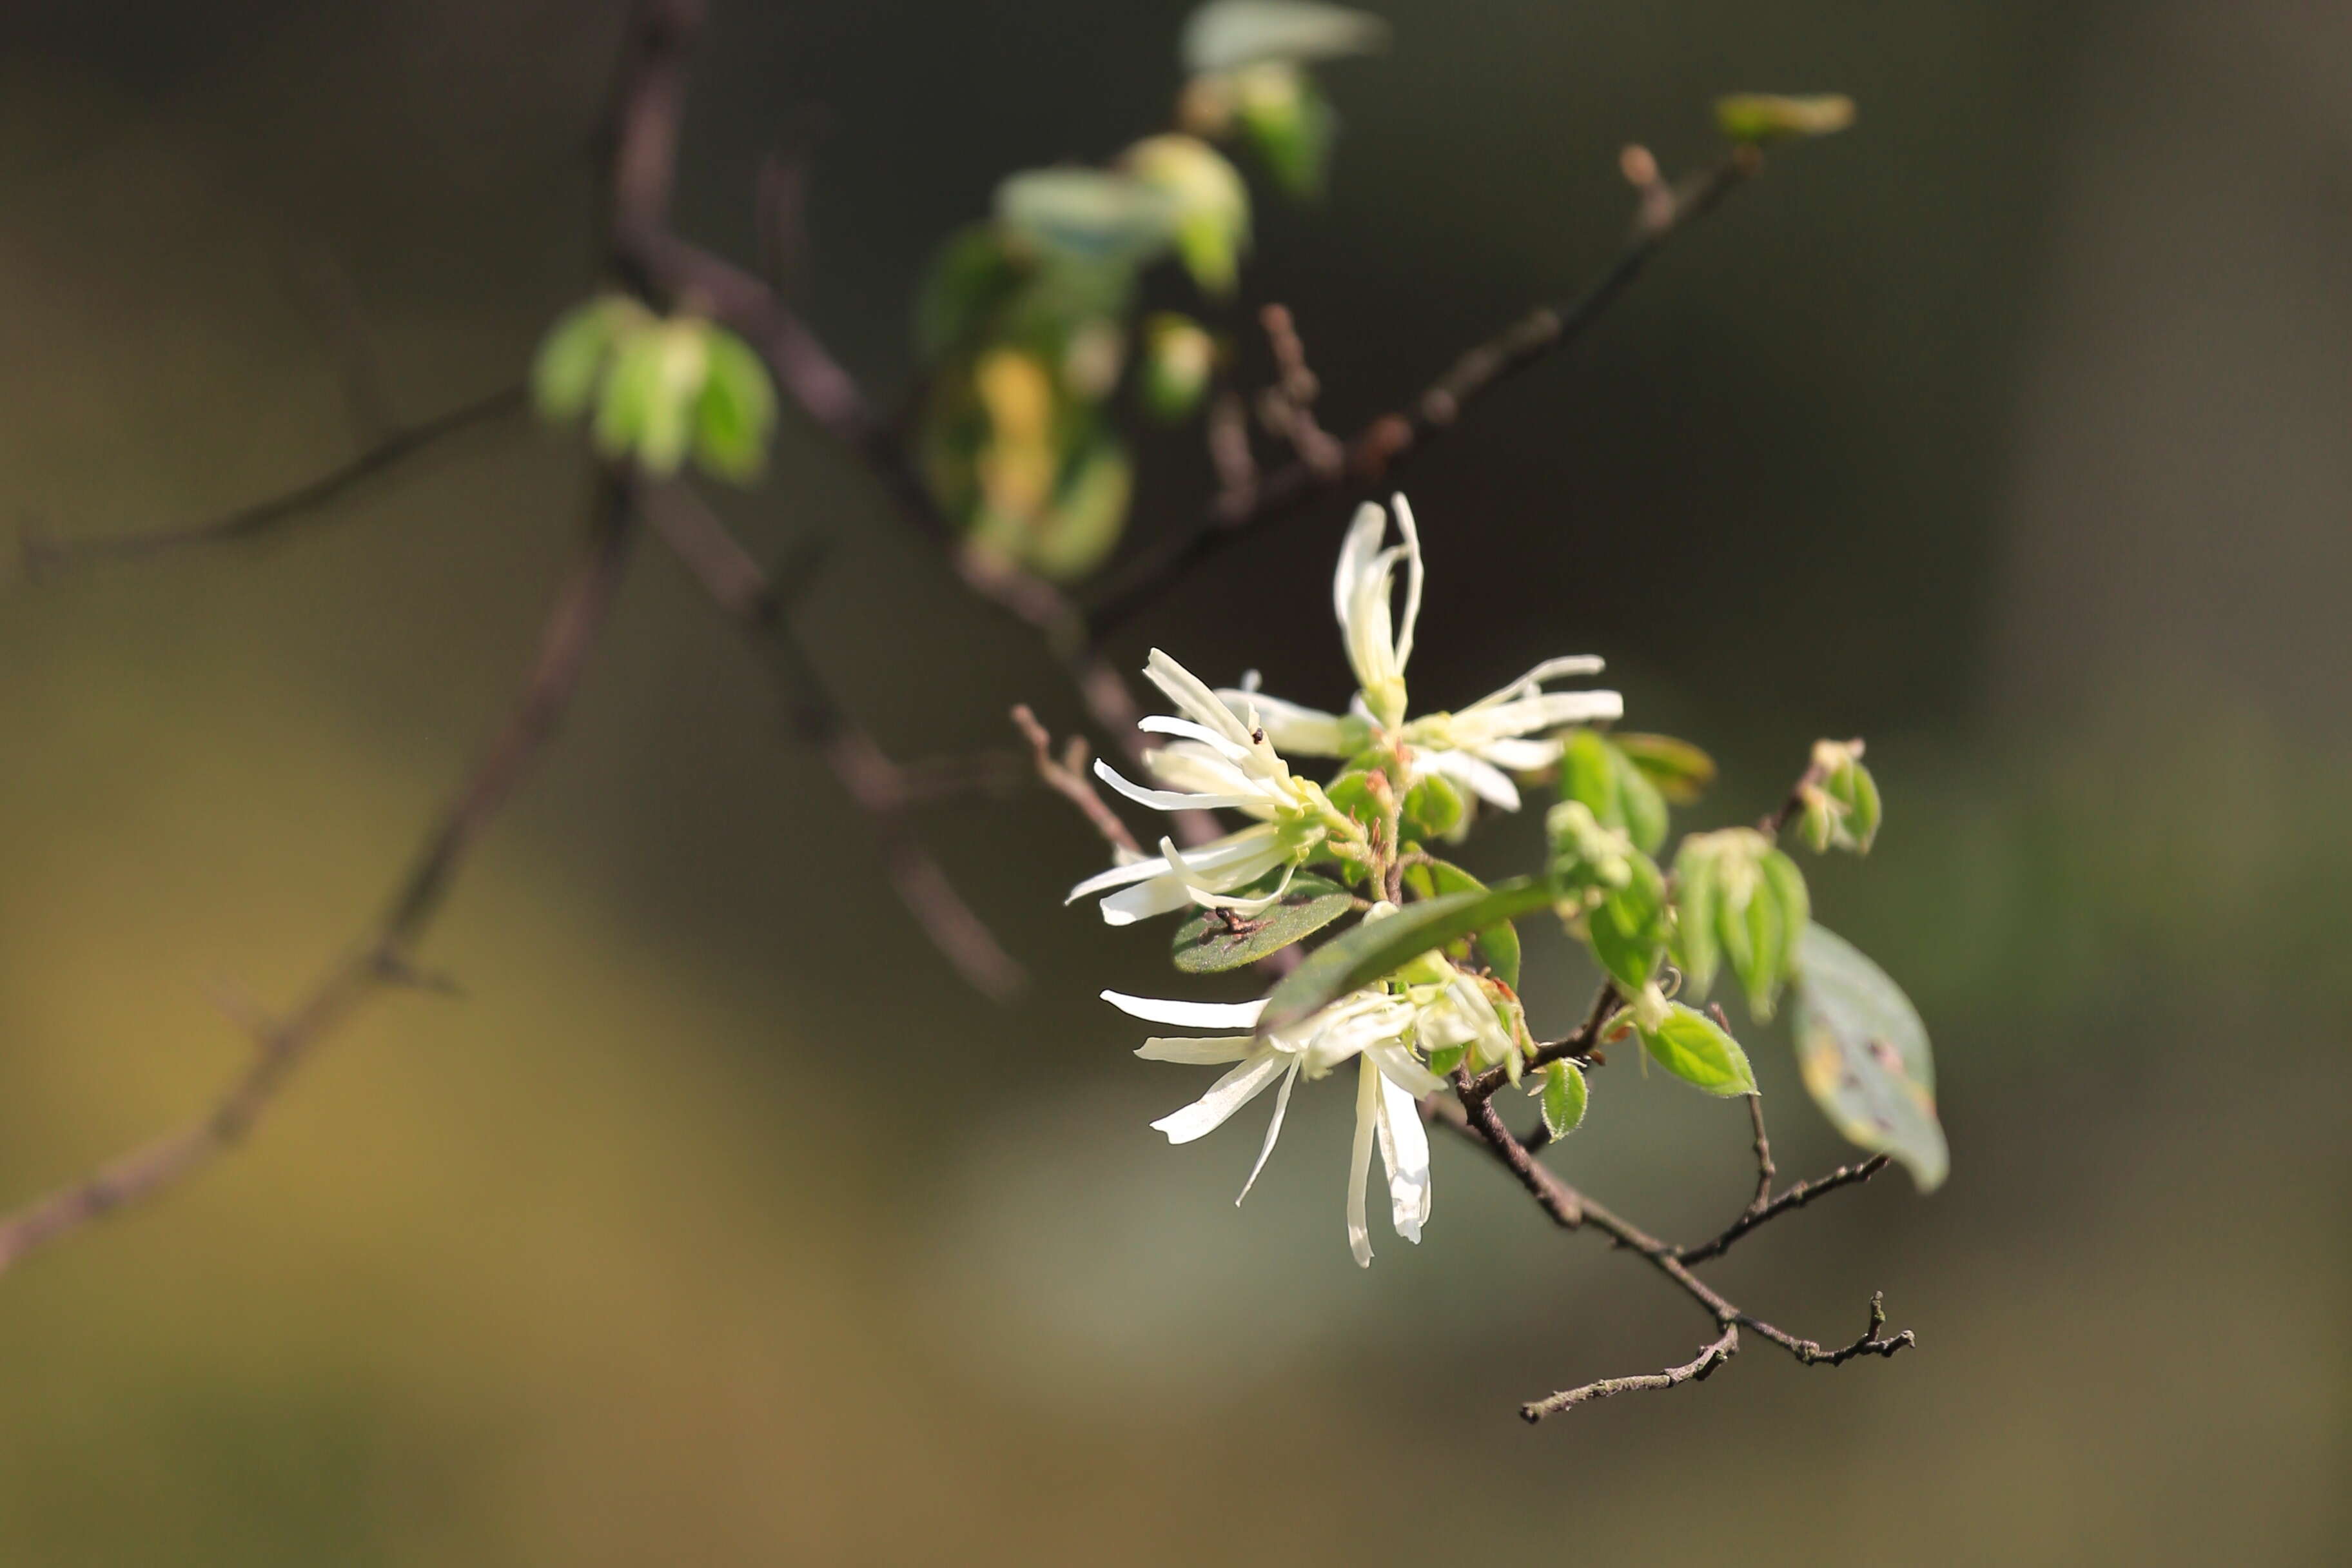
1444	1061
1698	907
1208	943
1226	33
1763	117
1376	949
1088	213
1628	929
1286	118
737	410
1208	205
1178	356
1497	944
572	357
1681	772
1865	1058
970	279
1434	806
1564	1099
630	394
1690	1046
1614	788
1082	526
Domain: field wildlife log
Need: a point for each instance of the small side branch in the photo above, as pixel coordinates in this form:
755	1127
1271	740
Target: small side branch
1796	1197
278	513
1066	776
1875	1339
381	958
877	785
1710	1356
1371	457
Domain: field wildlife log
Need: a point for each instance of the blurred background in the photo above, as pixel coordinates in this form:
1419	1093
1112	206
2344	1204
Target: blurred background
720	1225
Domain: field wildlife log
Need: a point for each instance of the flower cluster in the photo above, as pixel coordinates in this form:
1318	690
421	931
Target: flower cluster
1226	752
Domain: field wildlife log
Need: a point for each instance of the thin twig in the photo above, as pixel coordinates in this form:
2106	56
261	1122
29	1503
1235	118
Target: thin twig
42	554
1376	451
1710	1356
1796	1197
381	958
1066	776
874	784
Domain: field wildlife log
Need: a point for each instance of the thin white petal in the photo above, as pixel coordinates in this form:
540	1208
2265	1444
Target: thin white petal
1191	1015
1273	1128
1118	876
1360	1164
1532	682
1482	779
1404	1144
1196	1050
1227	1095
1398	1066
1169	799
1192	694
1547	710
1518	755
1159	896
1248	909
1159	724
1291	728
1412	580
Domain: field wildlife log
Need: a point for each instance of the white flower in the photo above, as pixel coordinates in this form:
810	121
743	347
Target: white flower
1377	1029
1221	759
1478	747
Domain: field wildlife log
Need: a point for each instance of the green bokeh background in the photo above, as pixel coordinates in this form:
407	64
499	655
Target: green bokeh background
718	1225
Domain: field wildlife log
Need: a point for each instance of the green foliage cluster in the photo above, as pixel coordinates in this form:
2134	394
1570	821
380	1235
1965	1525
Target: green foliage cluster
658	390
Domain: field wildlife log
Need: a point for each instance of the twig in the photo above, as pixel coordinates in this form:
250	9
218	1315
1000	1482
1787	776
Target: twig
1710	1357
381	957
1286	408
1067	778
1872	1342
874	784
43	555
1771	1208
1386	441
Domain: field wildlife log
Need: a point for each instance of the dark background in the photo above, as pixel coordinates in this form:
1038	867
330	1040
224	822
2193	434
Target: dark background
721	1225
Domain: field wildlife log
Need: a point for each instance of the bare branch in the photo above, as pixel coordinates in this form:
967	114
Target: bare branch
873	782
381	957
1067	778
1710	1356
1873	1340
279	512
1796	1197
1374	453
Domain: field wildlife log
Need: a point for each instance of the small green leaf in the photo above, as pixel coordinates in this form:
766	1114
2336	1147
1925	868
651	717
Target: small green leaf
970	279
1208	205
1763	117
1209	942
1434	807
1178	357
1865	1057
736	411
1376	949
1690	1046
1286	118
1092	214
1614	787
1498	944
1564	1099
1628	929
1082	526
573	358
1698	911
1226	33
1680	770
1445	1060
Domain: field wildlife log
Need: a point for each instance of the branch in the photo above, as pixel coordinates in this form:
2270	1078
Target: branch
1067	778
873	782
1377	449
41	554
1796	1197
1473	1117
381	957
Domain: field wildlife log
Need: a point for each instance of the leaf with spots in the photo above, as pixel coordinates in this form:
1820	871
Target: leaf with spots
1865	1058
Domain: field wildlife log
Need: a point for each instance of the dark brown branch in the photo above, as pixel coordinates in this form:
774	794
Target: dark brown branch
279	512
873	782
1771	1208
381	958
1067	778
1373	455
1473	1117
